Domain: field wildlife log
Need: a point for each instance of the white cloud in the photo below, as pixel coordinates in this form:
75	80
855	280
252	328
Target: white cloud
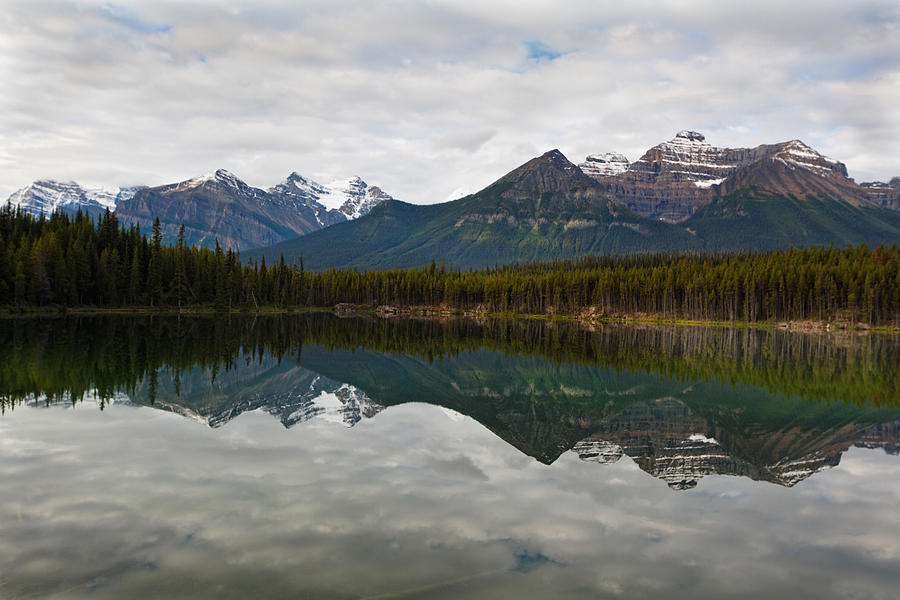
425	99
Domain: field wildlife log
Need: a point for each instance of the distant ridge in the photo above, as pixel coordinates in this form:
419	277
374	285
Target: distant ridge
672	180
215	206
682	195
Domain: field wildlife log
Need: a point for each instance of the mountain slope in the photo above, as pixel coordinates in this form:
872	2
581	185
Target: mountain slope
751	218
547	208
773	196
47	196
338	201
217	206
214	206
886	195
674	179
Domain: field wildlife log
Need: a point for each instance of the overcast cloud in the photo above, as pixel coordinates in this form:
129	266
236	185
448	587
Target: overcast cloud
431	99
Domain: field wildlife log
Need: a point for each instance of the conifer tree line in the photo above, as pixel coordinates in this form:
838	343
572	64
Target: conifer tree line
73	261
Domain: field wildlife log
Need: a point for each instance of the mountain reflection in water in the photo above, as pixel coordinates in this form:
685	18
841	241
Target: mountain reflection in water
681	402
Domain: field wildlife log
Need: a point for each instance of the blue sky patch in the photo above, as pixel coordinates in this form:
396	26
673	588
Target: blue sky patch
539	51
129	18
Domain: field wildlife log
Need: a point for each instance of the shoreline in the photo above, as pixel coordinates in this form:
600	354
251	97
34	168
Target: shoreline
344	310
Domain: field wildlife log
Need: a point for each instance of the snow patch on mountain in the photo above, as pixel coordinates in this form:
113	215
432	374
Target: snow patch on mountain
689	158
604	165
342	199
708	182
48	196
353	197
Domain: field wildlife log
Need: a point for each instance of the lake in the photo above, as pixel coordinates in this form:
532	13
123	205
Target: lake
307	456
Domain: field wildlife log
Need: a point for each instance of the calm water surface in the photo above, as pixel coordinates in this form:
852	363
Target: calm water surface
316	457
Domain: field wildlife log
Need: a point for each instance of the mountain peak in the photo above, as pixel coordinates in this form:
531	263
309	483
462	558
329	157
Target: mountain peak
48	196
227	178
797	154
604	165
555	155
691	136
550	172
338	200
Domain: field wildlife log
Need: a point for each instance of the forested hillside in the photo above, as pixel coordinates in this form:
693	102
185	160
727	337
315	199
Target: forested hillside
73	262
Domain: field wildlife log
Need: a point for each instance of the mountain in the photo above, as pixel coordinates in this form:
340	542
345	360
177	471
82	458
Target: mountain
338	201
752	219
547	208
674	179
769	197
604	165
217	205
48	196
884	194
683	195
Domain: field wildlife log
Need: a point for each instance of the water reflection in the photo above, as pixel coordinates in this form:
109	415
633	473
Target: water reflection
681	402
443	460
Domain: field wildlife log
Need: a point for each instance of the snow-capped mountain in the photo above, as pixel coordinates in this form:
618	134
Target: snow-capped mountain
674	178
340	200
220	206
306	192
353	197
215	206
883	194
604	165
47	196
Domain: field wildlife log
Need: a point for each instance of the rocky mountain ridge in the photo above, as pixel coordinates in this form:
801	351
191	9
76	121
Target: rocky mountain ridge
217	206
672	180
771	197
604	165
884	194
715	199
335	202
46	197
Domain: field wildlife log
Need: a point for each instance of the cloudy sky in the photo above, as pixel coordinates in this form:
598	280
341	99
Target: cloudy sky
431	99
141	503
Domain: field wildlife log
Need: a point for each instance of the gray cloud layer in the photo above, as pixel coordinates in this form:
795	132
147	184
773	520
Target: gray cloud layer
431	99
133	502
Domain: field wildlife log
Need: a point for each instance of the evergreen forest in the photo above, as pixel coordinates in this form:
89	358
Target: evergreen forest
68	262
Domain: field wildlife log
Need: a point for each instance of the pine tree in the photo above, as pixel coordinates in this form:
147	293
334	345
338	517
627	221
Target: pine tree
155	268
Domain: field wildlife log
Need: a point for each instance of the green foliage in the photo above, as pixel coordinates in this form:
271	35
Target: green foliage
72	262
853	284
